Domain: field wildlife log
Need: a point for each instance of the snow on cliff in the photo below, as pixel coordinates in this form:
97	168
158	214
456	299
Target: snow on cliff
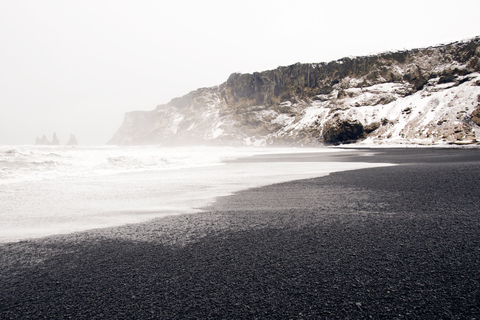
421	96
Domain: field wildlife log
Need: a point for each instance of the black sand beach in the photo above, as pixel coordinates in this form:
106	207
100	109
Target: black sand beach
400	242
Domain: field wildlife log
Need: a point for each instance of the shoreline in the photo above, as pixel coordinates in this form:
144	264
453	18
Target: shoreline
390	242
76	204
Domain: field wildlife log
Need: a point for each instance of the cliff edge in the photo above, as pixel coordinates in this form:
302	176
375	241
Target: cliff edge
421	96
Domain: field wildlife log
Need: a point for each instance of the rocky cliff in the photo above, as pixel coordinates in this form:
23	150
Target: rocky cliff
426	96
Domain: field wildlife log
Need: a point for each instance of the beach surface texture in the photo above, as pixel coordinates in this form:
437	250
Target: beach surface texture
393	242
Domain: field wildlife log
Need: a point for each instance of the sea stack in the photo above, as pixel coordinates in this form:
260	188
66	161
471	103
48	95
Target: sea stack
72	141
42	141
55	141
45	142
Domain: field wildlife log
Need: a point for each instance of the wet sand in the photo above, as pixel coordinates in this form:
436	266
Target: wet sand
400	242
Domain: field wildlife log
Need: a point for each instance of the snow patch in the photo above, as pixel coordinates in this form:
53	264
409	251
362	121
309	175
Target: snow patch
217	133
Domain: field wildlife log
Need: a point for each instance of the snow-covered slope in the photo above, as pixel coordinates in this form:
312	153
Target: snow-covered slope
422	96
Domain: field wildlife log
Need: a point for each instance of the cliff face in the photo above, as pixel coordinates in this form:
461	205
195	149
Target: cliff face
429	95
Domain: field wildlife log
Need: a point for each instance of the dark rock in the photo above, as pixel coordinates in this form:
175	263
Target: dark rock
476	116
371	127
416	78
343	131
447	79
466	79
386	122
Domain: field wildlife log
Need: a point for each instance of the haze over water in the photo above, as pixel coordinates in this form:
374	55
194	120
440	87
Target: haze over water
47	190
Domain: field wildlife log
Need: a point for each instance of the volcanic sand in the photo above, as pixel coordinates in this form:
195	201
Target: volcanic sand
390	242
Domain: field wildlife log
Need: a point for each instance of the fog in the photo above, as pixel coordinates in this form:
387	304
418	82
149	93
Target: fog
77	67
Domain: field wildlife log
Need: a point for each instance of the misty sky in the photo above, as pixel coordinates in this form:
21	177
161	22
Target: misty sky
78	66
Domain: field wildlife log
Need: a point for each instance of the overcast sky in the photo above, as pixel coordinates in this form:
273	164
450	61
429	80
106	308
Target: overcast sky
78	66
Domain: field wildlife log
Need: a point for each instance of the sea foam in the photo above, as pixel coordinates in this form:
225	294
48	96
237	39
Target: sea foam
33	163
56	190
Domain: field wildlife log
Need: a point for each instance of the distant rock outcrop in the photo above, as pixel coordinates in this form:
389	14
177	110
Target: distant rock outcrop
44	141
72	141
426	96
55	141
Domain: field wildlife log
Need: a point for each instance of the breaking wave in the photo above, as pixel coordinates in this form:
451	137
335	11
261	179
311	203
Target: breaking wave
24	163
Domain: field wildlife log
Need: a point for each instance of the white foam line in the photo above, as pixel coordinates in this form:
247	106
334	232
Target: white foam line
73	204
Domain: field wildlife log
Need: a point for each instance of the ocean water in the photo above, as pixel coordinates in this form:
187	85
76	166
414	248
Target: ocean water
47	190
